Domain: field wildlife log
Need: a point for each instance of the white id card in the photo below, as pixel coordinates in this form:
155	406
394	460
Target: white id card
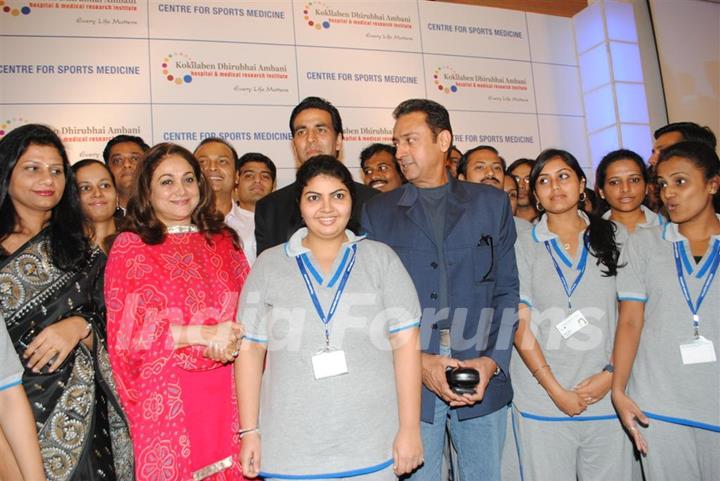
329	363
698	351
571	324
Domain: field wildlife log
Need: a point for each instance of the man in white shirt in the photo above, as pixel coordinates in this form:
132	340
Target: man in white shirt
254	177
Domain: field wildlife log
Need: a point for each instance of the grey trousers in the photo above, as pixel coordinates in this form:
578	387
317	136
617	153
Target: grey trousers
567	451
678	452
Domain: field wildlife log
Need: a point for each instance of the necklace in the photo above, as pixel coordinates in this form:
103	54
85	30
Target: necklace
181	229
566	246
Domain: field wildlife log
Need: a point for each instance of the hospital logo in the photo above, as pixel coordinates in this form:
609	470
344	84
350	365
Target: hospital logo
7	125
443	79
15	11
171	68
312	21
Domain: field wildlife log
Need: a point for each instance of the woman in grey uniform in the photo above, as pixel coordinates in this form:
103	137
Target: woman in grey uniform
338	317
622	182
669	328
565	426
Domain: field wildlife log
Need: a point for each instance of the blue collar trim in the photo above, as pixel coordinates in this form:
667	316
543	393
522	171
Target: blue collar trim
566	260
340	268
311	267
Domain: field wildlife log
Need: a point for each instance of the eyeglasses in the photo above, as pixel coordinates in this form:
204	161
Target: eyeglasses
525	180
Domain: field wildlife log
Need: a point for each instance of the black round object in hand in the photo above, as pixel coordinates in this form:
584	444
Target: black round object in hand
462	380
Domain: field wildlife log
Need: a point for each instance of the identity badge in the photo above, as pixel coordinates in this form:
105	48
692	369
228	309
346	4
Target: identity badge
699	351
571	324
329	363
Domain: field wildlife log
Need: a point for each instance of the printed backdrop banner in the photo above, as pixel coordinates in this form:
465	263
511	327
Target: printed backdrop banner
183	70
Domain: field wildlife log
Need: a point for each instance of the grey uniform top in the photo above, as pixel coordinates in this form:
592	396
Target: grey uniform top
339	424
660	383
521	224
11	370
586	352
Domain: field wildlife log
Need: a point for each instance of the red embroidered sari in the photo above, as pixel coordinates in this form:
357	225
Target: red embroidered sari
181	406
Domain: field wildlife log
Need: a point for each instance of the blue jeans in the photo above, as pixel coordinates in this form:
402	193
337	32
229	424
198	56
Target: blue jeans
478	442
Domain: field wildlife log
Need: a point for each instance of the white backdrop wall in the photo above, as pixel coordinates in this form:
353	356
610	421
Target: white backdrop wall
182	70
688	42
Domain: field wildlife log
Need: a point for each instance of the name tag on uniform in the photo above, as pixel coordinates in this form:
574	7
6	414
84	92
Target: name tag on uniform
699	351
571	324
329	364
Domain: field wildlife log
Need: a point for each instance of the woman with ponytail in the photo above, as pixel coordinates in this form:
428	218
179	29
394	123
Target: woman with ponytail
564	424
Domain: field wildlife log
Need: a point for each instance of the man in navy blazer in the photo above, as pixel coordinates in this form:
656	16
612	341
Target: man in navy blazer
456	240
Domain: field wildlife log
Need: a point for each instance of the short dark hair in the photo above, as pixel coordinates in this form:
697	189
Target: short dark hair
141	217
119	139
690	131
518	162
373	149
326	165
462	165
436	116
218	140
68	244
321	104
258	157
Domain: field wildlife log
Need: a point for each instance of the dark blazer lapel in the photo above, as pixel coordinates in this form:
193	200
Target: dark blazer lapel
455	208
410	203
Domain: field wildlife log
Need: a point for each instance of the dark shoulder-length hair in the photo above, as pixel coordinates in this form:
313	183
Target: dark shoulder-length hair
599	237
331	167
68	244
141	218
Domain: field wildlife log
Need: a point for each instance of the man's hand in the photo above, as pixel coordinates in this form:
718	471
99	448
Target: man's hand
486	367
433	377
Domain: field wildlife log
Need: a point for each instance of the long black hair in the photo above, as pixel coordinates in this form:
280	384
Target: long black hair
68	244
599	237
331	167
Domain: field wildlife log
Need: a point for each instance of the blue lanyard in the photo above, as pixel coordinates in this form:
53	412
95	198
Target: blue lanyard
695	308
336	299
581	267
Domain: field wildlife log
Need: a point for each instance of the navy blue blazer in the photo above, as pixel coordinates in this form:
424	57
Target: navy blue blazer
482	276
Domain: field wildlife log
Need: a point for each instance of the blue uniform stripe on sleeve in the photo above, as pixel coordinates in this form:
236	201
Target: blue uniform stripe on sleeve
257	340
402	328
12	384
632	298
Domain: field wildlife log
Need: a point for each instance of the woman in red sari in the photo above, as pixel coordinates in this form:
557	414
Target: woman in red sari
171	286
